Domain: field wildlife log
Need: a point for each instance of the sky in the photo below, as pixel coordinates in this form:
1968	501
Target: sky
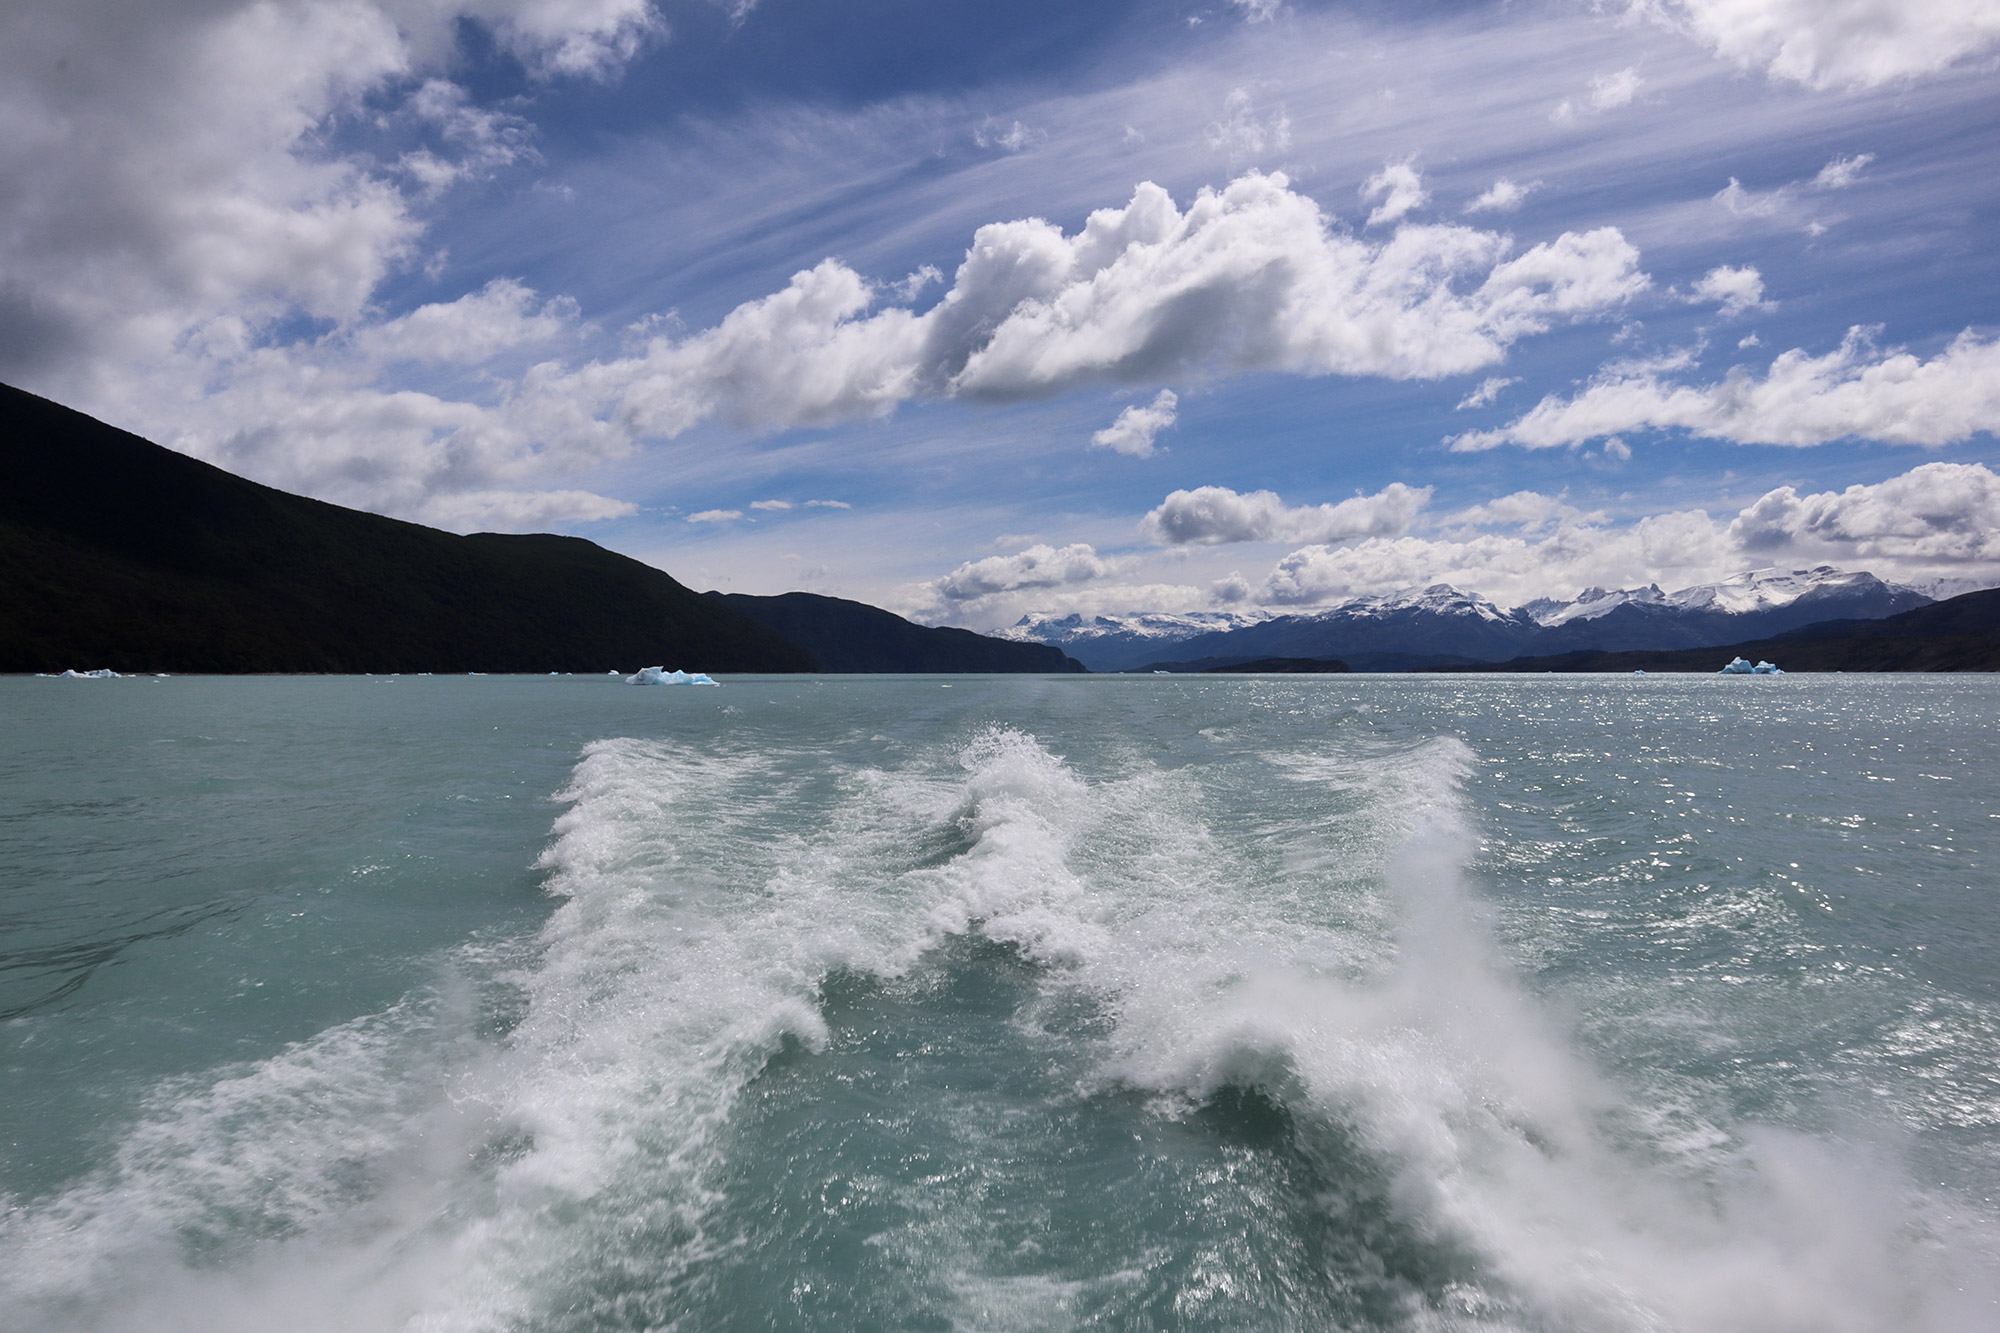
975	310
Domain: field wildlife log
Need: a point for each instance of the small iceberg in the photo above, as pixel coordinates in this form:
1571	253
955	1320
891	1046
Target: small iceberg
659	675
1739	667
102	673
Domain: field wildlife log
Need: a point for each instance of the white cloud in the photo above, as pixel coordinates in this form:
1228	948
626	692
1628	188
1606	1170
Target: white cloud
1610	91
1734	289
828	504
176	201
910	287
1503	196
1250	277
775	506
1039	566
1488	390
1528	510
715	515
1938	519
1802	400
1848	44
1133	432
1400	187
1938	515
1010	138
1245	137
1674	549
1213	515
1752	203
1842	171
1258	11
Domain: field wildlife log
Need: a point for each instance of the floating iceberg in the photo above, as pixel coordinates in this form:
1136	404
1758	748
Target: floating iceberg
659	675
102	673
1739	667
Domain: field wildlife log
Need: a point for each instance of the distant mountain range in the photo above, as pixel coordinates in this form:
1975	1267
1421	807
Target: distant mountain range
115	552
1441	625
1962	634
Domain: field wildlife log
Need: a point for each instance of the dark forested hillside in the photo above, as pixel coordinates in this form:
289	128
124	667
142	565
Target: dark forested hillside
115	552
855	637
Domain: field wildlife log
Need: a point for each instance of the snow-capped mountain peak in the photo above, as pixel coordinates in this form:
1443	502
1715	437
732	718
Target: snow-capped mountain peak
1768	589
1438	599
1077	628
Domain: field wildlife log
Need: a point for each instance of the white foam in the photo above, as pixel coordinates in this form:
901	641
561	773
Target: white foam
404	1172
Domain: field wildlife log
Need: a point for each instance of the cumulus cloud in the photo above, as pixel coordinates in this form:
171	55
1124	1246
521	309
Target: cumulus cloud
1528	510
312	416
175	201
1675	549
1040	566
1488	390
1250	277
1734	289
775	506
1213	515
1852	44
1801	400
1938	520
1400	187
714	515
1938	515
1132	433
1502	196
828	504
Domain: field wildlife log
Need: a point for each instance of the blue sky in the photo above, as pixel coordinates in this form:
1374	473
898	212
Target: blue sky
1519	296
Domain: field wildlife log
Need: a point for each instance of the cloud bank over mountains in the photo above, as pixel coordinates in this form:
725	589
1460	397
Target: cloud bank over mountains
1936	520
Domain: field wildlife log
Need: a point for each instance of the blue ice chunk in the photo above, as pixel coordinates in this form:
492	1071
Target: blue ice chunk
659	675
1740	667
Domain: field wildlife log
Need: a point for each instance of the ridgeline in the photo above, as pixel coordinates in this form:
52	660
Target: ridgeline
1962	634
115	552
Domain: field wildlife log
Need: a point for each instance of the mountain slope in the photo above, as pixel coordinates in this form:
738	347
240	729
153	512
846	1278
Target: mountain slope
845	636
116	552
1962	634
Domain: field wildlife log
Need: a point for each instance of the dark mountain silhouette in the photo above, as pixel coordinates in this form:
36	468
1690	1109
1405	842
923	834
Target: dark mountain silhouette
845	636
1962	634
115	552
1268	666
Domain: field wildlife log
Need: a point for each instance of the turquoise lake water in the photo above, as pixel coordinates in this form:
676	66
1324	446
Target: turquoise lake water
842	1003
